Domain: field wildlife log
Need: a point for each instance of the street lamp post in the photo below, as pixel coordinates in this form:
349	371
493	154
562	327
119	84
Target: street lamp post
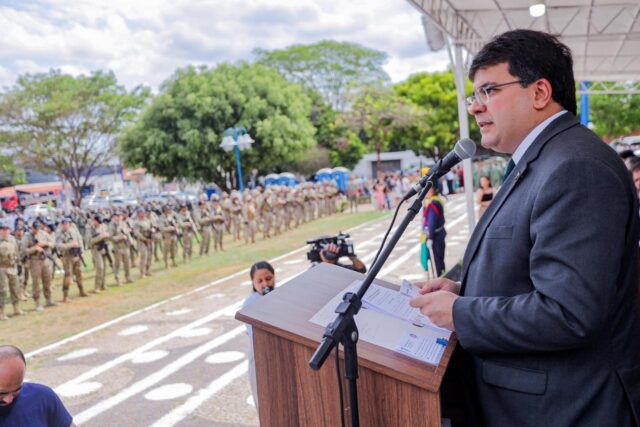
236	139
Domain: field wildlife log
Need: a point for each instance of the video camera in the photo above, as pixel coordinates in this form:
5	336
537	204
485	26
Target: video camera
346	247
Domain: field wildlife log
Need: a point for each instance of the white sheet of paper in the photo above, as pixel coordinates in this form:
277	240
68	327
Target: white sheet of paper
383	329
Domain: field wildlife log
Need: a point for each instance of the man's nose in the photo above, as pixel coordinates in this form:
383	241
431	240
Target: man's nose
7	400
476	107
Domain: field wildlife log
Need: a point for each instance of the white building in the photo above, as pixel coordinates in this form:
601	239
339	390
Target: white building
390	162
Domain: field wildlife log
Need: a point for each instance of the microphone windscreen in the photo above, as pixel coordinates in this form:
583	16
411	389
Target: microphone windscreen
465	148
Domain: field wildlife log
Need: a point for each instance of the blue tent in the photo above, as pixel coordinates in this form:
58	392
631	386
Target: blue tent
271	179
287	178
340	175
323	174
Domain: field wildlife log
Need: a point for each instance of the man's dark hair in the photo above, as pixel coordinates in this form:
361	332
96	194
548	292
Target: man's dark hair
10	351
532	55
633	164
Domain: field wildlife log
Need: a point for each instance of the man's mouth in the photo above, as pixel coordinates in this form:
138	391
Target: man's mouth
482	124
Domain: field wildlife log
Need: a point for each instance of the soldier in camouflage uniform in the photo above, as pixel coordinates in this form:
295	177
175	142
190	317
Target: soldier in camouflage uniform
217	215
235	212
157	234
121	239
266	211
250	219
143	232
170	231
8	271
23	269
37	246
187	228
69	244
204	220
98	242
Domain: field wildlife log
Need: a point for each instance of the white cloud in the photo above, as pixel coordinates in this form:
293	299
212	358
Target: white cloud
145	41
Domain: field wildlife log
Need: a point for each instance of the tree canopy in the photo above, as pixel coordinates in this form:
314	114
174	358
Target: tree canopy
178	136
66	125
614	115
438	132
331	68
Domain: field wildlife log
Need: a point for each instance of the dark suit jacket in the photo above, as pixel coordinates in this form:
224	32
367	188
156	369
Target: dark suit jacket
549	317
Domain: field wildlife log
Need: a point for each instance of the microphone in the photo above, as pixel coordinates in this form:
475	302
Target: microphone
464	149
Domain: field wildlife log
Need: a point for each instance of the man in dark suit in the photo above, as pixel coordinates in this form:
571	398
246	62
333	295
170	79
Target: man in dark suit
547	313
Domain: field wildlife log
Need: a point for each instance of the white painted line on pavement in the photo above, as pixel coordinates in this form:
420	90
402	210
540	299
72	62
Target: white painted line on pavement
182	411
97	370
398	262
156	377
174	298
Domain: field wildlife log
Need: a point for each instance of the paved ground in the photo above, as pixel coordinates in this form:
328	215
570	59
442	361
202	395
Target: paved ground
182	361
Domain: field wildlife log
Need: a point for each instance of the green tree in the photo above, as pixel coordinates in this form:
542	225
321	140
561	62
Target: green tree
614	115
332	69
438	132
10	173
67	125
347	150
178	136
377	111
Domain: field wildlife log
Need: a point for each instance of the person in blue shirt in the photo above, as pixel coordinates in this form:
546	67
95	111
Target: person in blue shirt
433	227
26	404
263	279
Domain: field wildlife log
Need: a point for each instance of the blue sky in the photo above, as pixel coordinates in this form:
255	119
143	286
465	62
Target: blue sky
145	41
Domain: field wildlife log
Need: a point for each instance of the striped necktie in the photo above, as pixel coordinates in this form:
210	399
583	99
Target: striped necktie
510	165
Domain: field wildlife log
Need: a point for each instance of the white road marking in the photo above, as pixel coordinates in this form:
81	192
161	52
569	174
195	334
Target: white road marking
150	356
158	376
398	262
79	389
97	370
77	354
215	296
132	330
178	414
246	283
293	261
225	357
174	298
196	332
179	312
169	391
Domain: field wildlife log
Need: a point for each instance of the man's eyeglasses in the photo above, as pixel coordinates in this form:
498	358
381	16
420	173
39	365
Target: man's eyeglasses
483	94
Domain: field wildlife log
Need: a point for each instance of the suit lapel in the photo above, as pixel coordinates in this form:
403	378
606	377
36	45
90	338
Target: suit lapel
556	127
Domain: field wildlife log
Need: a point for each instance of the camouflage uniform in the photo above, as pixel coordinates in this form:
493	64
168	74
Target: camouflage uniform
204	220
98	242
143	232
9	275
121	239
217	215
169	229
186	224
39	264
69	244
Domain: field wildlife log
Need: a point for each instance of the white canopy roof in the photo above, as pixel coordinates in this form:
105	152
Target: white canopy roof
604	35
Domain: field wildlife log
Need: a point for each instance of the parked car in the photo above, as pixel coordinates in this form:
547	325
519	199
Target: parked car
36	210
95	202
122	201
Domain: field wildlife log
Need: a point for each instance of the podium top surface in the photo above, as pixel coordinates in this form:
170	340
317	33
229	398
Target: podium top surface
286	311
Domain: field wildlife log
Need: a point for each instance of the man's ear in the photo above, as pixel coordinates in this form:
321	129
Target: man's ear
541	92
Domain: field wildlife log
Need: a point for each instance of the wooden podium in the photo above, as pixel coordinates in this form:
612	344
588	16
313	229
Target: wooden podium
393	389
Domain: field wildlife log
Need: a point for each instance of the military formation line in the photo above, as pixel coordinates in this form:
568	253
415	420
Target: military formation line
134	237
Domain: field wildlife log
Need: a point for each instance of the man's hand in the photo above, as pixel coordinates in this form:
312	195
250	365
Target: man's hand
333	248
439	284
437	306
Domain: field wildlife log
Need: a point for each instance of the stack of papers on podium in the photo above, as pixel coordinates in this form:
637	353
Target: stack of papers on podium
386	319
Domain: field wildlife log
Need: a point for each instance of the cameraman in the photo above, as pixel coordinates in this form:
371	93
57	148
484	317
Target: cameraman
329	255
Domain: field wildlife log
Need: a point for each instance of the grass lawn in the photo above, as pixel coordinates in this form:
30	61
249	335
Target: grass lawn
35	330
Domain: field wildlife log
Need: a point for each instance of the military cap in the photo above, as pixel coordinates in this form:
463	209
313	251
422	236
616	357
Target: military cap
36	224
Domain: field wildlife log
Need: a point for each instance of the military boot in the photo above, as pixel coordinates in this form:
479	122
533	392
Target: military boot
65	297
50	303
17	311
38	305
82	292
2	315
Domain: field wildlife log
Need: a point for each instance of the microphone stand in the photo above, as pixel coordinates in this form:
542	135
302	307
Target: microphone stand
343	329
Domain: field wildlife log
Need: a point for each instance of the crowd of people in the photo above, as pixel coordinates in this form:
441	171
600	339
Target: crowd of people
134	237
